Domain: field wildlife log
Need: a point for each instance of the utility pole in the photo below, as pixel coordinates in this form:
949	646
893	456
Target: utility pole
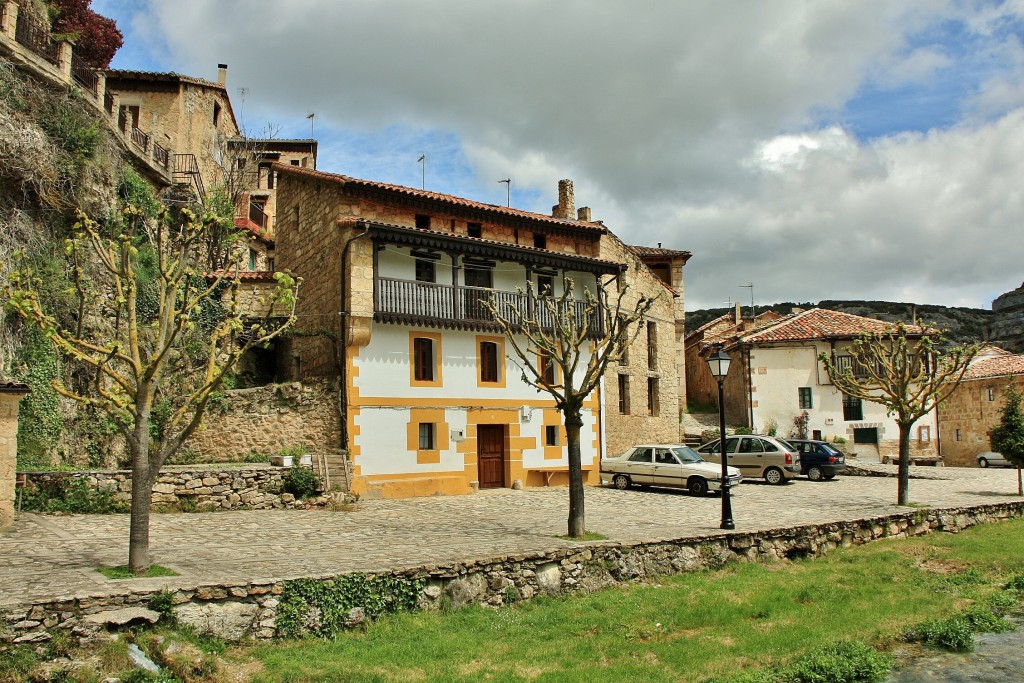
423	171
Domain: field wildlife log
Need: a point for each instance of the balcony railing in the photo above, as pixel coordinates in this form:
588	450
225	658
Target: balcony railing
257	216
161	156
36	37
464	307
140	139
83	73
186	169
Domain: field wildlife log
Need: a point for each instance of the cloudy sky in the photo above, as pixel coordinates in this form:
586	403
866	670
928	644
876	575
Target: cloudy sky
818	150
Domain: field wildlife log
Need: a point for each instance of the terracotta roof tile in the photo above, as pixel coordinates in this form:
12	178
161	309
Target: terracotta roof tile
995	366
821	323
658	252
595	228
13	388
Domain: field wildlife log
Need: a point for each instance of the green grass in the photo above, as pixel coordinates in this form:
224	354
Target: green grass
123	572
693	627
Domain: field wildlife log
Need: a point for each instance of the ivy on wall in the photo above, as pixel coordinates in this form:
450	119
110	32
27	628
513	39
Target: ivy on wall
321	607
40	422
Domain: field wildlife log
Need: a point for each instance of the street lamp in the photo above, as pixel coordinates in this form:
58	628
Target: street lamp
718	363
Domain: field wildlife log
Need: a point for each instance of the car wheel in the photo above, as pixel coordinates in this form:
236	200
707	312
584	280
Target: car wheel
773	475
982	462
697	486
814	473
620	481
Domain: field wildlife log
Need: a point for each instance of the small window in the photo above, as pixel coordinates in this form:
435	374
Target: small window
853	408
816	434
551	435
624	358
547	370
991	394
545	285
540	241
240	163
623	394
427	440
474	229
422	222
957	435
805	398
294	162
216	113
425	271
652	396
652	345
252	259
924	434
489	367
270	264
423	361
479	277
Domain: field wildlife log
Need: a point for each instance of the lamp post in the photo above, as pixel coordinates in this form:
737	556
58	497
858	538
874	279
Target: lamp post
718	363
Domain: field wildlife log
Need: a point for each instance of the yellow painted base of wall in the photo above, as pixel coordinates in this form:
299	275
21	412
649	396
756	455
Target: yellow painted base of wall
383	487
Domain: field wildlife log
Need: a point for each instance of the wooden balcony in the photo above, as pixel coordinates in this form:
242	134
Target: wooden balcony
423	303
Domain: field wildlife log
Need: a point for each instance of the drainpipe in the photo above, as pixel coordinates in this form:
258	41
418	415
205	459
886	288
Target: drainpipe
750	393
342	352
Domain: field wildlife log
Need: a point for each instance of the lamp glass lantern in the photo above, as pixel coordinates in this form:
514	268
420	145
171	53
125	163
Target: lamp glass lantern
718	363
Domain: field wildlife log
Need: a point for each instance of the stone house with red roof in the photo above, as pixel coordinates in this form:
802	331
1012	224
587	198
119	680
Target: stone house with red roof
391	309
776	376
967	417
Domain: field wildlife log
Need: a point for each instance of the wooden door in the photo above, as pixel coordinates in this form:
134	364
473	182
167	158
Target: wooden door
490	440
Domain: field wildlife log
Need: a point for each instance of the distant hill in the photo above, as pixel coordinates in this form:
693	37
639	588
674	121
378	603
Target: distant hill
963	325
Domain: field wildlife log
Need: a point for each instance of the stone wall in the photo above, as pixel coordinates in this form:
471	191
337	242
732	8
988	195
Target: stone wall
10	394
255	487
248	609
967	417
268	419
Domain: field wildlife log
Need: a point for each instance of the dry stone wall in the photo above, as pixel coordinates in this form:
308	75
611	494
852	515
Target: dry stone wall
267	420
248	609
255	487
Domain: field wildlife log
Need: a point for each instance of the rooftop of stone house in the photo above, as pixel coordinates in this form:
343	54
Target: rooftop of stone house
996	366
658	253
822	323
593	227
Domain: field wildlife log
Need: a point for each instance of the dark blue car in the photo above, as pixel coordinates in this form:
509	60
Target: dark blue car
818	460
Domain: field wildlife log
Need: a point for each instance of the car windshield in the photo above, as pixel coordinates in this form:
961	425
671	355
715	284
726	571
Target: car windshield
687	455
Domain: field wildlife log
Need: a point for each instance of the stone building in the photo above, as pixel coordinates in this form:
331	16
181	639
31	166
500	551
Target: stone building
1008	320
775	377
191	116
967	417
391	307
10	394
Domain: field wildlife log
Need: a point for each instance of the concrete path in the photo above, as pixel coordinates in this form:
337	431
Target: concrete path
49	557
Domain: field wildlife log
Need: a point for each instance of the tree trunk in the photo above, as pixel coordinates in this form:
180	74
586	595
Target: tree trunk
573	423
138	535
903	478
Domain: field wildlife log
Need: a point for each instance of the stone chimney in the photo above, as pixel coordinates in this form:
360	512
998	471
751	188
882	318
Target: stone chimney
584	214
739	313
566	208
222	74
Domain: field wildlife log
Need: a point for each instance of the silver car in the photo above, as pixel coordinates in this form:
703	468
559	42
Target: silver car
992	459
671	465
758	456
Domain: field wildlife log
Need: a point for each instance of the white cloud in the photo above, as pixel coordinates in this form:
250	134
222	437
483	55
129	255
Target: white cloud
701	125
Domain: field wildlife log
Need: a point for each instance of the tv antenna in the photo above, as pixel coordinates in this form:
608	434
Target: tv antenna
750	286
423	171
242	92
311	116
508	191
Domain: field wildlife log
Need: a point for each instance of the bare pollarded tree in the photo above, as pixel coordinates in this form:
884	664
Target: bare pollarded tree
563	346
909	370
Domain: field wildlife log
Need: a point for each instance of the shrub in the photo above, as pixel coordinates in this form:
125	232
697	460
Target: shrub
743	430
709	435
302	482
73	495
841	662
953	634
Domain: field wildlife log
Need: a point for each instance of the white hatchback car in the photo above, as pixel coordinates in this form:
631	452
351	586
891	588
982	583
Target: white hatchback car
672	465
992	459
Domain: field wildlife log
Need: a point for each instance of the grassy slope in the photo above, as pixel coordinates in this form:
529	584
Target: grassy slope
690	627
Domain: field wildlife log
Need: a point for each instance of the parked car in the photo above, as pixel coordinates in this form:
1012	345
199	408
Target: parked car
758	456
992	459
819	460
672	465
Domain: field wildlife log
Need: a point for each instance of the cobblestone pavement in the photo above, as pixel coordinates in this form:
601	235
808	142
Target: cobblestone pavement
47	557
